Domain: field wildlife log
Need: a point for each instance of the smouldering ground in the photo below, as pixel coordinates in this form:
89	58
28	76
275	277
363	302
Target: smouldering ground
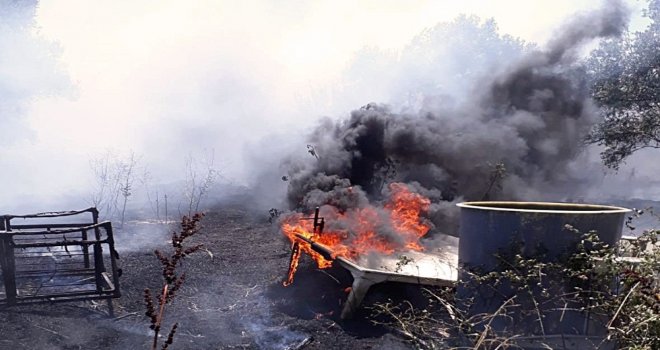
233	298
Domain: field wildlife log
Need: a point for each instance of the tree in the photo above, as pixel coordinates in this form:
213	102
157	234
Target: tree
450	57
113	178
200	178
626	85
441	62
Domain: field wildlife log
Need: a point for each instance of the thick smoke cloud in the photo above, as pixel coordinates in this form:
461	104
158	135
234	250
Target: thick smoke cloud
169	81
531	118
28	69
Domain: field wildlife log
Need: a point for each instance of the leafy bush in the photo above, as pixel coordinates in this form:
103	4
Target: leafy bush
617	287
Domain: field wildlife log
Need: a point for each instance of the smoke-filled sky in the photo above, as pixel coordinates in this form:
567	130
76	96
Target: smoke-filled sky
247	79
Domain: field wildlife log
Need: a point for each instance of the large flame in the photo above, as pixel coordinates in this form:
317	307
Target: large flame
362	231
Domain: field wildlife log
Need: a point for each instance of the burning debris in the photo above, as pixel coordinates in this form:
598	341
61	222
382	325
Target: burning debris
382	180
529	119
396	227
376	244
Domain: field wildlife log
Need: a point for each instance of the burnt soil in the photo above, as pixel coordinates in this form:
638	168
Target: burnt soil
233	297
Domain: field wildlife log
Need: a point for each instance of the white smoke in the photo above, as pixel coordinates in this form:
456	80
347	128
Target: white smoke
247	80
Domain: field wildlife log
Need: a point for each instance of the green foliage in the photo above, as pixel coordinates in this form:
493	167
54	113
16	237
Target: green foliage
617	286
626	84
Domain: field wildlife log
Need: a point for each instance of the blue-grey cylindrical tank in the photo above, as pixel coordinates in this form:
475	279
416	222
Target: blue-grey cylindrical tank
487	228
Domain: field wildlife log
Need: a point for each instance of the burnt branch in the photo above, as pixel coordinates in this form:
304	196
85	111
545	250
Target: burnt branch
170	337
151	310
172	281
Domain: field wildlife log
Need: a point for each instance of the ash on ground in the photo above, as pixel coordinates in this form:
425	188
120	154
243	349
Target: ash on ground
233	298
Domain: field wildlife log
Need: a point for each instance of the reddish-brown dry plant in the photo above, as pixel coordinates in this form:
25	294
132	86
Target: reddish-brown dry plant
172	281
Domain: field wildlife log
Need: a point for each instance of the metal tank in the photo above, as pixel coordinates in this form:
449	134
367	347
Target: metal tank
488	228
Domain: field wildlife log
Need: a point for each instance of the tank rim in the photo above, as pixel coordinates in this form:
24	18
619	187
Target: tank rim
553	207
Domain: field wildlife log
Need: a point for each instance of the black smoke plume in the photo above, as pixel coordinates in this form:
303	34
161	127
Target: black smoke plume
517	137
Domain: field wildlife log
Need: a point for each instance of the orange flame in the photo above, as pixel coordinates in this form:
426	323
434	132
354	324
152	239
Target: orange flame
361	229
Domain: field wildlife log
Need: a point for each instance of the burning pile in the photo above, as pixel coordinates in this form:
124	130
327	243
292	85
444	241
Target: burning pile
519	136
397	226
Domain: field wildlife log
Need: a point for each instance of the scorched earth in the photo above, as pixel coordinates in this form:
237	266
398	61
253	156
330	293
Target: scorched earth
233	297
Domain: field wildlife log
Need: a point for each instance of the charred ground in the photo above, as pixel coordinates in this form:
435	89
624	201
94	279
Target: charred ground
233	298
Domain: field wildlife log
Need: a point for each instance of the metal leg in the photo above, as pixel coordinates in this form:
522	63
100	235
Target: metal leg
359	289
8	268
111	308
85	249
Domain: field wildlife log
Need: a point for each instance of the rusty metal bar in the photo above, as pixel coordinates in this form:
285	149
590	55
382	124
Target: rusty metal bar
59	244
52	297
85	249
113	262
52	214
61	299
38	226
48	232
8	268
60	273
318	247
7	280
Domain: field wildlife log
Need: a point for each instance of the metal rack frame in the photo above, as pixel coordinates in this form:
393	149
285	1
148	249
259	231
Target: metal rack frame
57	261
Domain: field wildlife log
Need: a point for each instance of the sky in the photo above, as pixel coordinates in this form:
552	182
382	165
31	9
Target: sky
240	79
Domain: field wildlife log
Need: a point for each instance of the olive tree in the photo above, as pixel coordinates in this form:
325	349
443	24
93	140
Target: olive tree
626	84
